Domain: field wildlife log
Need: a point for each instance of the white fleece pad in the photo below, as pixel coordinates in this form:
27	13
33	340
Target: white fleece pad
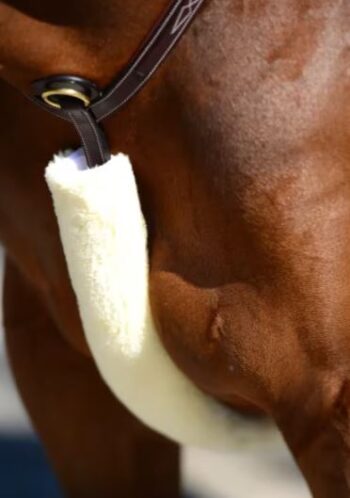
105	242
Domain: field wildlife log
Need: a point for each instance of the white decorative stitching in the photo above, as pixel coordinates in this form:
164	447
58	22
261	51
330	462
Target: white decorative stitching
184	15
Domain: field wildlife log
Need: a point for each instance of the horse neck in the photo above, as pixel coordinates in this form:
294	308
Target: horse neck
95	39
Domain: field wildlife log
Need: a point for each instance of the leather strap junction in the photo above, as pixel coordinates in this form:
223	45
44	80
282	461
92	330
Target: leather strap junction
79	101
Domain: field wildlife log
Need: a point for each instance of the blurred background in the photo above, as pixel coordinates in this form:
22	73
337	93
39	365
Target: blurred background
249	473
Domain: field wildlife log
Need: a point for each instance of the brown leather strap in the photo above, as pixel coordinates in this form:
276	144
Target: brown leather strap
153	52
92	137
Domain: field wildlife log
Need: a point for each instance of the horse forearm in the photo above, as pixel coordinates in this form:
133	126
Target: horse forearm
96	447
321	450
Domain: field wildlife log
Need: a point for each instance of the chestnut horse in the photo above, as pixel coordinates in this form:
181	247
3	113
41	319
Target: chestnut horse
241	149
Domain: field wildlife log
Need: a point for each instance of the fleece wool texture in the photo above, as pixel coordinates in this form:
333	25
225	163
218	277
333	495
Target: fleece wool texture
105	242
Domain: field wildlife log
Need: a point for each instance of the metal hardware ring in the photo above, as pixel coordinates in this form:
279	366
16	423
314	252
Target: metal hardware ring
66	92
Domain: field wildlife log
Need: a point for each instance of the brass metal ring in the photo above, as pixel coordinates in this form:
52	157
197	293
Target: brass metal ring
67	92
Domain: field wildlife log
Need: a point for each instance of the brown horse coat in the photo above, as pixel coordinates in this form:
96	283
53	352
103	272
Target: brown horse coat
247	203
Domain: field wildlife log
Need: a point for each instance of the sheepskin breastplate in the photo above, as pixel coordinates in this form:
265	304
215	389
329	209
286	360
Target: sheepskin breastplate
104	236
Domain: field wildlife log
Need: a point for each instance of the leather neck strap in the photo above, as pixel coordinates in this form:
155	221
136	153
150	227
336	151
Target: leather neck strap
80	102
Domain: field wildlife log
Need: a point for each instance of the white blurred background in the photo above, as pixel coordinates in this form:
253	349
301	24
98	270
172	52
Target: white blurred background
24	473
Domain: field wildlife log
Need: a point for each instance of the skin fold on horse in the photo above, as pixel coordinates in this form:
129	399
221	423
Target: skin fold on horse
241	151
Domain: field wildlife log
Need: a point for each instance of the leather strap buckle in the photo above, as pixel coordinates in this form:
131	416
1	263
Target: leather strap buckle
71	96
61	91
